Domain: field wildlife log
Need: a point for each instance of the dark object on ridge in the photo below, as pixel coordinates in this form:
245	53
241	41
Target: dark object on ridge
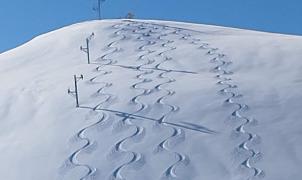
129	15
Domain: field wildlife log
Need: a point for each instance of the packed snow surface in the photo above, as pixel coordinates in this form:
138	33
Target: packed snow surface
159	100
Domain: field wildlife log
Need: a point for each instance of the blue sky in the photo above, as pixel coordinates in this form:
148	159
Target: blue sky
21	20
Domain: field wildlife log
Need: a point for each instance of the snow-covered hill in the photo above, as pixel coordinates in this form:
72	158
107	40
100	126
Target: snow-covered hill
160	100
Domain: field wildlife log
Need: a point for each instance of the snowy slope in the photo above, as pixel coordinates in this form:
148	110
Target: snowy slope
160	100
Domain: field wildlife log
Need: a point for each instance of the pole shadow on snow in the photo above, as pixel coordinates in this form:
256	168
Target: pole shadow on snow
149	68
184	125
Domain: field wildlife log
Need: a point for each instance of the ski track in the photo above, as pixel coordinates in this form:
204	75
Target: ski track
80	136
222	74
100	91
137	158
177	132
237	114
177	135
104	60
72	160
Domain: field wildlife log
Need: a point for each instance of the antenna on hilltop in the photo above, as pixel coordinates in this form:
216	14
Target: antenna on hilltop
97	8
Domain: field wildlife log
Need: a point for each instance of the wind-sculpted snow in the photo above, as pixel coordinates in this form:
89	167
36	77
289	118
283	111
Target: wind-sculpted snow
159	100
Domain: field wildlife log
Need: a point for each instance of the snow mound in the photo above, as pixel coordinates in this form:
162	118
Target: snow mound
159	100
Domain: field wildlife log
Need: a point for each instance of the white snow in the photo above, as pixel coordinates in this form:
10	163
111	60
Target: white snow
160	100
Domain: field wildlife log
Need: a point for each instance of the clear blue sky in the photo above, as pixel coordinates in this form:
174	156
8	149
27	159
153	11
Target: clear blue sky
21	20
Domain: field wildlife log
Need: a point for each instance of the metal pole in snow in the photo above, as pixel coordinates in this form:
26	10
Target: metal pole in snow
76	90
87	48
87	45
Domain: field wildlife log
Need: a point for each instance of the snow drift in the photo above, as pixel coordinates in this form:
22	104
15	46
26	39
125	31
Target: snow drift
160	100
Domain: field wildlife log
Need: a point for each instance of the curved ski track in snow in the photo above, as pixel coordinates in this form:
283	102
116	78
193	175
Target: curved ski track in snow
111	47
72	160
100	91
137	158
221	73
177	135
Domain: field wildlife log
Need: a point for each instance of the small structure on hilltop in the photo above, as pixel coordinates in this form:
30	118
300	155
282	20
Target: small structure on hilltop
130	15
